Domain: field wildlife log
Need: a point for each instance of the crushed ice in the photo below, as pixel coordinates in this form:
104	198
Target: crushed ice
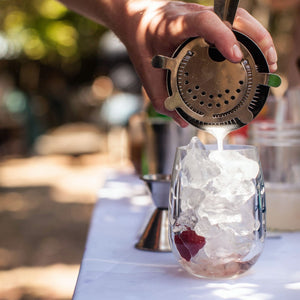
218	186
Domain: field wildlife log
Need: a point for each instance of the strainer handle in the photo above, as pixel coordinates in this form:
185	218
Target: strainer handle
269	79
226	10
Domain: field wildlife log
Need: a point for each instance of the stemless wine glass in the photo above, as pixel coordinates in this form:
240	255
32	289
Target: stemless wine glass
217	209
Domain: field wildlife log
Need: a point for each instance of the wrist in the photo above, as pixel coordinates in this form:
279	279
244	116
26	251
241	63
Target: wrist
106	12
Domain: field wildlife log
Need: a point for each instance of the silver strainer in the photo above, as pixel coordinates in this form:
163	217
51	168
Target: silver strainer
207	90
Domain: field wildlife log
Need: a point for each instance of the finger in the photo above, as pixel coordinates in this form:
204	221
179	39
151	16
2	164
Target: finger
160	108
158	96
173	114
209	26
273	68
248	25
177	118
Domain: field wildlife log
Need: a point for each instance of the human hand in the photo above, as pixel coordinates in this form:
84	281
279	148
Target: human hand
148	28
159	27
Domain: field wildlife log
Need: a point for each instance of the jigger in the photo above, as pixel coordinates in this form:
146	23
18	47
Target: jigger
155	236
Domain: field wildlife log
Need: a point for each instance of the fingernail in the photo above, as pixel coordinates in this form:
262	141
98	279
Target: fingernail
237	53
271	56
273	67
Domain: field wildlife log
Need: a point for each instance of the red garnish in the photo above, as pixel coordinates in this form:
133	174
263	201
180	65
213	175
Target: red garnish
182	249
188	243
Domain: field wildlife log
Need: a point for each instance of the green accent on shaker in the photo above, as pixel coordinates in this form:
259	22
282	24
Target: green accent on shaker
274	80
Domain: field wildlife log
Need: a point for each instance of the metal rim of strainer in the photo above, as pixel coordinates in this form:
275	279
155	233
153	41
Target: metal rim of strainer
207	90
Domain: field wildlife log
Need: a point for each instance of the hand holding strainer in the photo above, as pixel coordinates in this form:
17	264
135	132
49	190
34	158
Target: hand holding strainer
208	90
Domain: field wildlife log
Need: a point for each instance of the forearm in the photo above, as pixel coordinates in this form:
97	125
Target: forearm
106	12
121	16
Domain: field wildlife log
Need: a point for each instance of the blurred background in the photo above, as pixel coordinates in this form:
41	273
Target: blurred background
71	109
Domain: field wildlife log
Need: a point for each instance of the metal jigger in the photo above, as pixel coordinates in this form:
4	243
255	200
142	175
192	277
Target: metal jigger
155	236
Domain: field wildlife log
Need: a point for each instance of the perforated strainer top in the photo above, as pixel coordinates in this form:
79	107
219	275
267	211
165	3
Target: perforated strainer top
212	89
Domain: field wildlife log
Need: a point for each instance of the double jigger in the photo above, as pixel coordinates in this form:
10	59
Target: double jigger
155	235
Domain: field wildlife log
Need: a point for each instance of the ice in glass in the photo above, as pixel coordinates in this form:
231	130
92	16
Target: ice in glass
217	209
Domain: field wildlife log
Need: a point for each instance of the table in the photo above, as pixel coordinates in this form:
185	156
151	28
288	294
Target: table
113	269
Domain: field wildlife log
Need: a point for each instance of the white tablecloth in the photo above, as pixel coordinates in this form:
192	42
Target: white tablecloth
113	269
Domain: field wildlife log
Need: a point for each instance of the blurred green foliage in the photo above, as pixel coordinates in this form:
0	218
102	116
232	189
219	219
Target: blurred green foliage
46	30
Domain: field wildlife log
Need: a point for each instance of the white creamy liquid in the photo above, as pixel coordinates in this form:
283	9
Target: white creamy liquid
219	133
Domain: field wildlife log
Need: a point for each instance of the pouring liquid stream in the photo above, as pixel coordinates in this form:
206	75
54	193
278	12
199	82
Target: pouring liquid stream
219	133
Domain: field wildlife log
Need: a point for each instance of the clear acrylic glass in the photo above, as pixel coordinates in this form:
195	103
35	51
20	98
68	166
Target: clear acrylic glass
217	210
